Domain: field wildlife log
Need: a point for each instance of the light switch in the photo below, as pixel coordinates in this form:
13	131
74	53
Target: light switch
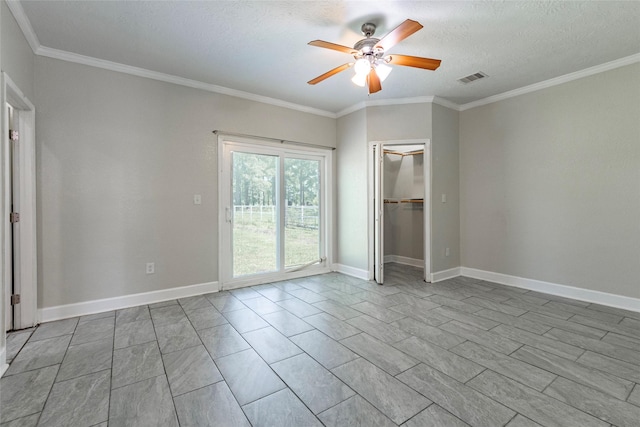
444	198
197	199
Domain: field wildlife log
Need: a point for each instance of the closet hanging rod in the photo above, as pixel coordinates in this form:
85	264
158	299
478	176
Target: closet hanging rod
404	201
266	138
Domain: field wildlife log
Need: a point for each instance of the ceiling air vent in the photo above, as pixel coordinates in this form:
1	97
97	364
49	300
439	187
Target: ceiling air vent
472	77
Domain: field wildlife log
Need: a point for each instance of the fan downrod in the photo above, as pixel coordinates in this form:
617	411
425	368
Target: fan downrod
368	29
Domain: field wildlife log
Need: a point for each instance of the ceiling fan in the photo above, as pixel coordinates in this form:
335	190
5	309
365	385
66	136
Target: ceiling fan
371	63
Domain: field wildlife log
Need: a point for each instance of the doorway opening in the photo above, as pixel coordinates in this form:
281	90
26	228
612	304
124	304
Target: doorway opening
400	209
19	302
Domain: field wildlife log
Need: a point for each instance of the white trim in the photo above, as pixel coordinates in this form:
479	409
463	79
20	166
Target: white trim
398	259
439	276
446	103
351	109
398	101
25	253
49	314
25	25
23	22
554	81
581	294
154	75
428	182
358	273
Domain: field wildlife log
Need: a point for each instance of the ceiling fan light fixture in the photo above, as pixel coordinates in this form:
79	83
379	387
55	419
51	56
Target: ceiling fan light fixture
362	67
383	71
360	79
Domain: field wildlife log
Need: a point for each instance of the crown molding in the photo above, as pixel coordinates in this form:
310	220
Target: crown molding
628	60
168	78
25	25
23	22
446	103
355	107
399	101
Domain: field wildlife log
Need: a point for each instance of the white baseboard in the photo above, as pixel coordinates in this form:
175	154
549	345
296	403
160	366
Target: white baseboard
588	295
404	260
351	271
439	276
97	306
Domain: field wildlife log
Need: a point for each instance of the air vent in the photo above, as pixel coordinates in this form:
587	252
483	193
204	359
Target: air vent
472	77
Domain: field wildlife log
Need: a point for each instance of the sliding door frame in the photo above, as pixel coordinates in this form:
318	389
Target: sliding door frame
226	143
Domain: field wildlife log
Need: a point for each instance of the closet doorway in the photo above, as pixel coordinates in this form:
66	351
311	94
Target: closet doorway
400	207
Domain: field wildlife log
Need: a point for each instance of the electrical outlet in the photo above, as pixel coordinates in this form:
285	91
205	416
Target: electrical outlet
151	267
197	199
447	252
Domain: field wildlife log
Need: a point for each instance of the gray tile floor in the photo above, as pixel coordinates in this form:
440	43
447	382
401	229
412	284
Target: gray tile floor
335	351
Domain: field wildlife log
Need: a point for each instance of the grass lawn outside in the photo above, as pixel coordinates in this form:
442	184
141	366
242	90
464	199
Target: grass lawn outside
255	243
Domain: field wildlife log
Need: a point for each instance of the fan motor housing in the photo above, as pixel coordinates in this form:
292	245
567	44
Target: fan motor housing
366	45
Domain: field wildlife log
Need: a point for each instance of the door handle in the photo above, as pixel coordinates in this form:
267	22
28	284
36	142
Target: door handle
228	215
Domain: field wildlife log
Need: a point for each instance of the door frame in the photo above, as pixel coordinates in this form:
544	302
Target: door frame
225	275
25	314
371	206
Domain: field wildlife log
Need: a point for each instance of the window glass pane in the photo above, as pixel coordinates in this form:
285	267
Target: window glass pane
302	215
255	219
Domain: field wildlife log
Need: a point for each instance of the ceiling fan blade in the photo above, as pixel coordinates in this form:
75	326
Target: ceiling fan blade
374	82
330	73
333	46
415	61
400	33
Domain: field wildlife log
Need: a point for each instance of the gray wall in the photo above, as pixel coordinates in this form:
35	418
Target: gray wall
397	122
17	60
404	222
18	57
119	160
408	121
351	191
550	184
445	225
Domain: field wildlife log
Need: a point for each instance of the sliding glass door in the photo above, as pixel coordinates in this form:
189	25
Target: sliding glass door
302	211
273	206
254	222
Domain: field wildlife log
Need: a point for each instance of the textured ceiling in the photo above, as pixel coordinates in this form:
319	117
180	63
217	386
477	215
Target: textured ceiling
261	47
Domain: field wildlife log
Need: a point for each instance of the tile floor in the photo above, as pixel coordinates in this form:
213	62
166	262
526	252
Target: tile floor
335	351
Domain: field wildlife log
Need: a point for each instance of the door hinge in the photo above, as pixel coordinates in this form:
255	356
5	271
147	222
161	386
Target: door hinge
15	299
14	217
14	135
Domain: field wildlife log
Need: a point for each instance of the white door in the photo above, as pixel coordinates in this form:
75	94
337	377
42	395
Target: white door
11	281
13	197
378	206
19	197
